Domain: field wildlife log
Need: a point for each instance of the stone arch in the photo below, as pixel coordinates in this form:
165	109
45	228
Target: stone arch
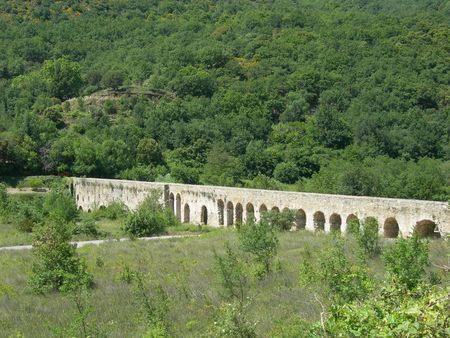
239	211
262	209
102	207
250	212
220	211
187	214
275	209
80	208
230	213
204	215
335	222
78	197
89	210
425	228
391	228
172	202
178	207
351	217
300	219
319	220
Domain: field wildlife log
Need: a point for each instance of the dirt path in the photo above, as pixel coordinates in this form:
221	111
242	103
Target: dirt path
96	242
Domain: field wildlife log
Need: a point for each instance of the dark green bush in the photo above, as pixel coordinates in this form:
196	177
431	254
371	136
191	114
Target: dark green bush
406	260
283	220
55	261
368	237
150	218
60	204
3	199
113	211
86	227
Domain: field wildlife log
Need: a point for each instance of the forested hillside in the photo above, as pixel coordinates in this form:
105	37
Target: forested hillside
347	96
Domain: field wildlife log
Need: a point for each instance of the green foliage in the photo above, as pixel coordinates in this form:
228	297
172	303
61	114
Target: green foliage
261	241
282	221
232	322
150	218
353	226
343	280
56	264
406	260
86	227
232	275
368	237
113	79
3	199
114	210
61	205
393	312
63	77
148	152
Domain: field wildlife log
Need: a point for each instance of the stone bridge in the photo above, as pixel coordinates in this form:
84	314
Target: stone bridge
224	206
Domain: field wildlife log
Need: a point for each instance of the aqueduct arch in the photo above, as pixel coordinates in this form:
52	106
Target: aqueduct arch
227	206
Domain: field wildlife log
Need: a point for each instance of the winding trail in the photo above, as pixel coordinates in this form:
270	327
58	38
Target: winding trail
80	244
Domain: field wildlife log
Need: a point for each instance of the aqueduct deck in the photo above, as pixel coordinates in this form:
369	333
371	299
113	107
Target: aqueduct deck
226	206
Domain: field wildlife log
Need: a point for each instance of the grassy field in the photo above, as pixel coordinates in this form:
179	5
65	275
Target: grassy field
185	268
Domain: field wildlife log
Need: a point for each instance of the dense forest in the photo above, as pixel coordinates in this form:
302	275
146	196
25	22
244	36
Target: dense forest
349	97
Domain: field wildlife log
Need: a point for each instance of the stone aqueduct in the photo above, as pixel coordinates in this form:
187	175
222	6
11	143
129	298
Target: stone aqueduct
225	206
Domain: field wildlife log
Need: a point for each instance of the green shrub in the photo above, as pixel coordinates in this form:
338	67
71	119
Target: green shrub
261	241
150	218
86	227
353	226
425	228
3	199
55	261
405	261
368	237
392	313
232	275
340	279
114	210
60	204
232	322
390	228
283	220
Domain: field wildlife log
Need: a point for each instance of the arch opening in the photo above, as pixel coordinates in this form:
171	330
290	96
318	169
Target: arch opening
172	202
230	214
220	209
80	208
178	207
262	209
275	209
391	228
352	224
187	214
319	221
239	211
426	228
300	219
204	216
335	222
250	210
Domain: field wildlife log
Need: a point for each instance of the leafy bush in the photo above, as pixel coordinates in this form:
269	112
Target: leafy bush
353	226
60	204
86	227
261	241
342	281
368	237
393	313
425	228
150	218
406	260
283	220
232	275
232	322
113	211
3	199
390	228
56	262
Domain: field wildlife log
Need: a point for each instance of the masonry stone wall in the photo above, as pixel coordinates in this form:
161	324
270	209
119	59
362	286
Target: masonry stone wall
225	206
